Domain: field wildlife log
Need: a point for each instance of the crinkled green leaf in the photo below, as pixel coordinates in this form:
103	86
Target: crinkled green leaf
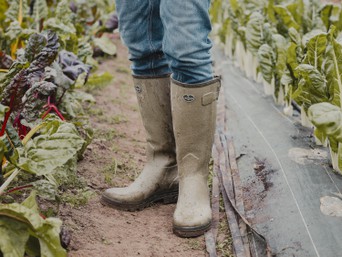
14	235
54	74
18	10
280	46
60	26
254	32
57	144
296	8
20	221
85	51
266	61
39	11
286	17
327	118
333	69
330	15
45	189
295	36
312	87
315	50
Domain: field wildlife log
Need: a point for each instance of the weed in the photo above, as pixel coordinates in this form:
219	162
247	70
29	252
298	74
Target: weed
95	111
109	171
224	244
117	119
195	244
77	197
122	69
107	135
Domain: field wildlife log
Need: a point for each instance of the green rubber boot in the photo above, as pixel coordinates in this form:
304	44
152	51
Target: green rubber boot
158	180
194	119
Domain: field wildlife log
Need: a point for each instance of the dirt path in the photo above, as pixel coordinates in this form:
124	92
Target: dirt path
114	159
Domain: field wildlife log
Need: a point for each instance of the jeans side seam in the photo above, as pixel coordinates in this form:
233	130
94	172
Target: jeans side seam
150	39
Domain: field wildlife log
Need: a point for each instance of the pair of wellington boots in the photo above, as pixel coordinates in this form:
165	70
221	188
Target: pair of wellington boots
179	120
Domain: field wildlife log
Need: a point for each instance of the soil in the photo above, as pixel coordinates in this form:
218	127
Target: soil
114	159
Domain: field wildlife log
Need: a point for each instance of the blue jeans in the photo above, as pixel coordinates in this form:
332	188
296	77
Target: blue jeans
167	36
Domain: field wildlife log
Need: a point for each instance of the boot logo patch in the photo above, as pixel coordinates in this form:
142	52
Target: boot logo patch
138	89
188	98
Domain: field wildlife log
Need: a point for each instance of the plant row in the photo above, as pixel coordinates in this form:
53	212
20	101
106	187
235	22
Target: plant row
47	52
294	48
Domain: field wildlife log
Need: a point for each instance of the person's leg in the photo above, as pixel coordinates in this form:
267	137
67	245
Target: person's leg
142	31
194	92
186	42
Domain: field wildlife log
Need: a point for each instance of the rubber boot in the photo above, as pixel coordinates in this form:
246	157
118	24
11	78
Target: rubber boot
194	118
158	179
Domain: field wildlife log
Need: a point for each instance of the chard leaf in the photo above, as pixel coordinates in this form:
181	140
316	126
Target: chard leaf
19	222
106	45
39	11
59	26
14	236
21	77
55	75
17	11
35	45
333	69
294	36
62	22
266	61
311	87
315	50
35	98
56	145
327	118
280	46
292	60
72	67
286	17
330	15
254	32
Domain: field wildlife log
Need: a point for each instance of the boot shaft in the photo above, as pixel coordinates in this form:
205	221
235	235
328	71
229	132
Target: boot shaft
194	119
153	96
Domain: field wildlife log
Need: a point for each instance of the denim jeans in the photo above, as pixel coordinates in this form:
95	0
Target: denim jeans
167	36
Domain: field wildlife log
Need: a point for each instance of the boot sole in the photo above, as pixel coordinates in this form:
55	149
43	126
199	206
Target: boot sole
164	197
187	232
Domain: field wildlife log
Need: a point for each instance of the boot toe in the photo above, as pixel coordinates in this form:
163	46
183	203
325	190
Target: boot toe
122	195
192	222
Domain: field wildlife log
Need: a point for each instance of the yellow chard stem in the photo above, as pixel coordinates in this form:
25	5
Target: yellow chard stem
31	133
8	181
20	15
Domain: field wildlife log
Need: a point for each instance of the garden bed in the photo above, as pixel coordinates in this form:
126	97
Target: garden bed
285	175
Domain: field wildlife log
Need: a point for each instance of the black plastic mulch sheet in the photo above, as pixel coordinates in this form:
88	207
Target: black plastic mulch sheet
284	174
